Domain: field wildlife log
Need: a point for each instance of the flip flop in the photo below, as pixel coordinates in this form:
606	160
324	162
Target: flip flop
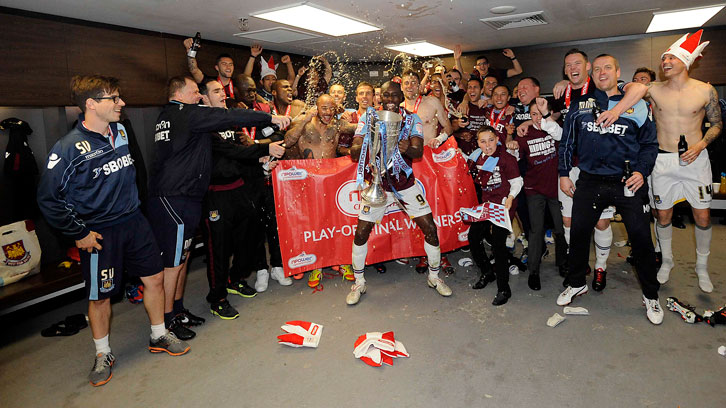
59	329
77	321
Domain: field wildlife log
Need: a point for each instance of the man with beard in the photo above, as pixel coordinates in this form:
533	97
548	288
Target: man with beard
224	65
604	154
412	199
229	212
680	104
316	135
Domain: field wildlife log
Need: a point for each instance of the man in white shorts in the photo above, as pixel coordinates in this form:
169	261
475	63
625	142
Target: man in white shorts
400	188
680	104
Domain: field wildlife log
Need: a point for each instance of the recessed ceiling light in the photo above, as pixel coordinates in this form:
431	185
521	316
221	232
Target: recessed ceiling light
502	9
420	48
686	18
316	19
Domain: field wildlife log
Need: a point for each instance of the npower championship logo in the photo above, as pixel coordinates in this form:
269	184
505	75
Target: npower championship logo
292	173
464	235
347	199
301	260
444	156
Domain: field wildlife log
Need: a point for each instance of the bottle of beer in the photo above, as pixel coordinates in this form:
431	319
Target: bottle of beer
627	173
195	46
682	148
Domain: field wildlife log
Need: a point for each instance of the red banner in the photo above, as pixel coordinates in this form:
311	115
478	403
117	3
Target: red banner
318	203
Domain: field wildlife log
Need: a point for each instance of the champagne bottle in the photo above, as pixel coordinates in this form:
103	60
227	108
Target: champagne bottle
682	148
627	173
195	46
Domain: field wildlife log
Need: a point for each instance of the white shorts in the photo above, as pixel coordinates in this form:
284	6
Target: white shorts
566	201
670	183
413	197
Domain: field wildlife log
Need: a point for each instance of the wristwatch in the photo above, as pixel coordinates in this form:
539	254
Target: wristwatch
547	115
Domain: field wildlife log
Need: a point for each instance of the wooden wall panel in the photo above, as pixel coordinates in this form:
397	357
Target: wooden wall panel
138	60
33	71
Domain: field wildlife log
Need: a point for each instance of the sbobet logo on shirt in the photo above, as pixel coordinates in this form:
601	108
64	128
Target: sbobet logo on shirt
348	199
301	260
292	173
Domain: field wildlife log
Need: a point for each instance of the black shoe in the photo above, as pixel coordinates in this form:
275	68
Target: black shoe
599	280
484	280
630	260
181	332
187	319
381	268
241	288
502	297
658	259
533	281
224	310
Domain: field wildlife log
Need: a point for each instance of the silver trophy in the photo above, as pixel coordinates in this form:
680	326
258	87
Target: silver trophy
374	195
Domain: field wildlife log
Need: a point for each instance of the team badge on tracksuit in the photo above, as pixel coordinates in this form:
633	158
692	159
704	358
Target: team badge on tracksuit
213	215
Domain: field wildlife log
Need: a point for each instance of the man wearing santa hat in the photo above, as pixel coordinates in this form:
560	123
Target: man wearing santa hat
679	104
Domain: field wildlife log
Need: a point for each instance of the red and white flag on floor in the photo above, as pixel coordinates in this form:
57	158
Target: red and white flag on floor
376	348
496	213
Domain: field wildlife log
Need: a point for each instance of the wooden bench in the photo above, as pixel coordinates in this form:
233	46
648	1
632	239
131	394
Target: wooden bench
52	281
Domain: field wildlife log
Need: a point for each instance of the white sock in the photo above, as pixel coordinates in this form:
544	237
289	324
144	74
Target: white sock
655	232
665	236
157	330
359	262
603	240
567	234
433	253
102	345
703	243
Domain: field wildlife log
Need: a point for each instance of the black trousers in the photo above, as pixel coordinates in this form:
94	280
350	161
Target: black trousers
227	220
263	228
497	237
537	205
592	195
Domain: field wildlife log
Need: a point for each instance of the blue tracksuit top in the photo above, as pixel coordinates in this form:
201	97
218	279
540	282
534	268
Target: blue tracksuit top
89	181
603	151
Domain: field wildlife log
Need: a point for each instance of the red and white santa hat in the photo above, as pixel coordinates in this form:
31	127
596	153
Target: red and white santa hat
268	68
687	48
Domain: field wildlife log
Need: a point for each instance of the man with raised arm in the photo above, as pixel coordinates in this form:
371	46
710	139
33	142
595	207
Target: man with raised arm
679	105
